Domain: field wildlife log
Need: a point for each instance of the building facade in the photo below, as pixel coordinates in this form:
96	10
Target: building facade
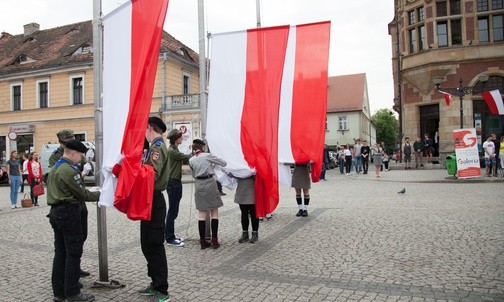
348	113
460	41
46	84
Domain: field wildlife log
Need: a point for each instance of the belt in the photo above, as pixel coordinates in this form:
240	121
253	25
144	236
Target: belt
64	204
205	177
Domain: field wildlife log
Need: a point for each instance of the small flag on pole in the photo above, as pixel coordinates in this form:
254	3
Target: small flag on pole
447	97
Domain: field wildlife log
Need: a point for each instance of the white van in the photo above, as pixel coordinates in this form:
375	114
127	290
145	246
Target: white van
48	149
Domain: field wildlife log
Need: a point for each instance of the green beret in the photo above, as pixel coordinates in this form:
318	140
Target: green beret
174	133
76	145
65	134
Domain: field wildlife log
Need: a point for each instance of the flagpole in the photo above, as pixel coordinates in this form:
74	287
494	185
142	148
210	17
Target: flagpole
97	68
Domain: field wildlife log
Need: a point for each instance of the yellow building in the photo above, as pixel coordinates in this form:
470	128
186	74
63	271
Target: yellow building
460	43
46	84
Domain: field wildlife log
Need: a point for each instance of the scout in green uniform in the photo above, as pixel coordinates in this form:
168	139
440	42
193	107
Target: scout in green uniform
64	136
65	192
152	231
174	188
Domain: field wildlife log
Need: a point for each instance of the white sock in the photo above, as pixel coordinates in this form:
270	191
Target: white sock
300	206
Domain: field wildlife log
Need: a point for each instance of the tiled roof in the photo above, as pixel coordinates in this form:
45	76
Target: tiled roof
346	92
56	47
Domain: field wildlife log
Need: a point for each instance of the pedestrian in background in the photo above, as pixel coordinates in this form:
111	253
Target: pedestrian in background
301	182
24	176
377	158
245	198
206	195
174	187
348	152
428	147
341	159
406	148
358	156
365	152
418	146
34	175
13	170
489	153
152	235
325	163
65	192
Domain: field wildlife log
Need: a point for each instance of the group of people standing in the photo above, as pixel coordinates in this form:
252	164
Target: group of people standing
18	170
360	155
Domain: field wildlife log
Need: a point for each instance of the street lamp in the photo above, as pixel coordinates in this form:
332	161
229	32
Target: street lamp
461	91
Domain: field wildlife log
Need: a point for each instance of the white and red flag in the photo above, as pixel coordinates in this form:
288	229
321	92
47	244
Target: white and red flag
447	97
267	103
494	101
132	37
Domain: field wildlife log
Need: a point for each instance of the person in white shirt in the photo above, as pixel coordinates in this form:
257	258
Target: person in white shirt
489	151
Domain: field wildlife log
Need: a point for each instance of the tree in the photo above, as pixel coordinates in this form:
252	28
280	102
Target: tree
386	128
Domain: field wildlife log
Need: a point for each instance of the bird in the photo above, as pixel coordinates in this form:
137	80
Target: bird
402	191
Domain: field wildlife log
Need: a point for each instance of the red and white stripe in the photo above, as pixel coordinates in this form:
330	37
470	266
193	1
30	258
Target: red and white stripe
267	102
447	97
494	101
132	37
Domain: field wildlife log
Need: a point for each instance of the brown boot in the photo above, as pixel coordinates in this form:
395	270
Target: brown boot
204	243
215	243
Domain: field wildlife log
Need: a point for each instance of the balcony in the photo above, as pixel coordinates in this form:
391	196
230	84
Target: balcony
184	101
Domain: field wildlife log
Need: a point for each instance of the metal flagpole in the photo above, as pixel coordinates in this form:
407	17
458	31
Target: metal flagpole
98	102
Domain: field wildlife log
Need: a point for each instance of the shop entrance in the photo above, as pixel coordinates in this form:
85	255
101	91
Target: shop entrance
429	123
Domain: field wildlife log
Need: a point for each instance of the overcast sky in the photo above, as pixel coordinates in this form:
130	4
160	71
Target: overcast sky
359	35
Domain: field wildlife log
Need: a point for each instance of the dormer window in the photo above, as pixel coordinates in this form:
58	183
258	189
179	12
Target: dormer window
84	49
180	52
23	59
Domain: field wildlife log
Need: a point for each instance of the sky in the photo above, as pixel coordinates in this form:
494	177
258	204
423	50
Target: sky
360	42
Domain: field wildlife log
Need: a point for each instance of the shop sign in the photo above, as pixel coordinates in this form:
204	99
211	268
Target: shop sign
466	151
22	128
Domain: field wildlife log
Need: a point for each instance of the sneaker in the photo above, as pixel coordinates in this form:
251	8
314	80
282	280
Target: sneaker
175	242
299	213
148	291
12	206
82	272
58	298
179	238
159	297
269	216
81	297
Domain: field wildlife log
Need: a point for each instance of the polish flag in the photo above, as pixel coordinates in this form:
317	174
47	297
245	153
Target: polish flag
267	103
494	101
447	97
132	37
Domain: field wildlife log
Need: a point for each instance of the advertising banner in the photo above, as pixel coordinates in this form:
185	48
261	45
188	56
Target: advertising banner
187	137
466	151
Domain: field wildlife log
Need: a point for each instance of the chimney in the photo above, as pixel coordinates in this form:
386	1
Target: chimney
31	28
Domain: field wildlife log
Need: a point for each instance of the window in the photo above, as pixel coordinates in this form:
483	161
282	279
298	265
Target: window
442	32
81	137
422	42
498	32
483	35
16	96
412	37
482	5
42	94
455	7
497	4
77	92
441	9
421	14
343	125
186	84
411	17
456	32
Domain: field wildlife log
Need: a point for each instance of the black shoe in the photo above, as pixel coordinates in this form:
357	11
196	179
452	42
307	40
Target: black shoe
82	272
79	284
299	213
222	194
81	297
305	213
58	299
254	238
244	237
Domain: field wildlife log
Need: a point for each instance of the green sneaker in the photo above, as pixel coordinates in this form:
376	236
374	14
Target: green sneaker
159	297
148	291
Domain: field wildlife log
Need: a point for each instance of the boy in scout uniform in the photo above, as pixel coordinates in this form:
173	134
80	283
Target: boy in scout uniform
152	232
65	136
65	193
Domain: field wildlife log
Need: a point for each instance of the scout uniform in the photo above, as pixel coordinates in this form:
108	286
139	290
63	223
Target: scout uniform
65	193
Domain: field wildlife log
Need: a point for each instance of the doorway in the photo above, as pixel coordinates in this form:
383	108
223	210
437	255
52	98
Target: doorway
429	123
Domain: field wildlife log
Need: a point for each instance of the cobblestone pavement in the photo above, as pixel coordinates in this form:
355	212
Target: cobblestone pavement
441	241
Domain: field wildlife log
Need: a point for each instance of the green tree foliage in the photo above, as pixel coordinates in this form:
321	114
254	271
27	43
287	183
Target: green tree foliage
387	128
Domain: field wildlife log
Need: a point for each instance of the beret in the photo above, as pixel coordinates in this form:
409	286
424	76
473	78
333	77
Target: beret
65	134
174	133
154	120
76	145
199	141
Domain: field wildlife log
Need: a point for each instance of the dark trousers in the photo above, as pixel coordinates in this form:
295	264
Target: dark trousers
322	174
365	165
248	210
33	198
152	243
66	223
84	222
23	178
174	189
348	163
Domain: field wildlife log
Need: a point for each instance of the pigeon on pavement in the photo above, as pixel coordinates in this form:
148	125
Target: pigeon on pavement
402	191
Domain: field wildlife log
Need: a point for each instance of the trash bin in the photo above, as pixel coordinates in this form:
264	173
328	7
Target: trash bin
451	164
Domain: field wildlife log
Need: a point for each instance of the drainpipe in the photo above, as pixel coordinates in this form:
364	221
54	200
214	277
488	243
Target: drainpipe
163	84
